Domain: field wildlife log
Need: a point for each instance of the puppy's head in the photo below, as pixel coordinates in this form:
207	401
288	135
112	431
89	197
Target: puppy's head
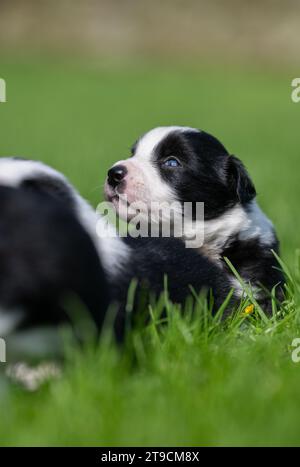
180	164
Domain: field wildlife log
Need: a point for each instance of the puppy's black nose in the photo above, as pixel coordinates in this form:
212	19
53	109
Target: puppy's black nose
116	174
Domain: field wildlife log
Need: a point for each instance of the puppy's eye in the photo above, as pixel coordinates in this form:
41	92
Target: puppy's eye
171	162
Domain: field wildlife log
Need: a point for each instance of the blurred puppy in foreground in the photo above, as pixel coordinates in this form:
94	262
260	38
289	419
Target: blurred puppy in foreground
46	255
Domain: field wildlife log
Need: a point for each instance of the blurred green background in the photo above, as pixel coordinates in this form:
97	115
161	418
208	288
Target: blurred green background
86	78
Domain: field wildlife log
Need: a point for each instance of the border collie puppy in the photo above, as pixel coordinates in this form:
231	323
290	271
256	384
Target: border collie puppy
182	164
52	241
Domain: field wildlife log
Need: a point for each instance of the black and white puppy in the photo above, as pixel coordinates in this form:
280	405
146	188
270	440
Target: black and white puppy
182	164
52	242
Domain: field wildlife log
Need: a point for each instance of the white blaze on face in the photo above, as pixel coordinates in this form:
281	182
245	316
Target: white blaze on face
155	188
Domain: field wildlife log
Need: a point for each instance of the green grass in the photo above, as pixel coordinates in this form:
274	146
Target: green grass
193	382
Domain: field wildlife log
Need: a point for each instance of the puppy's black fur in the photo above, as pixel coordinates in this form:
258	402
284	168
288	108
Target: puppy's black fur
205	172
153	260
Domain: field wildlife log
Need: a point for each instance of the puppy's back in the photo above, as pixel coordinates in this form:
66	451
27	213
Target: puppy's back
45	254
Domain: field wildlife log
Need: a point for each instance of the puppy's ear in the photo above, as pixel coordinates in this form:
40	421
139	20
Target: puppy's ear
239	180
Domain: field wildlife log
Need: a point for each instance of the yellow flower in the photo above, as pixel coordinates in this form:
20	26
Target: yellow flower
249	309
